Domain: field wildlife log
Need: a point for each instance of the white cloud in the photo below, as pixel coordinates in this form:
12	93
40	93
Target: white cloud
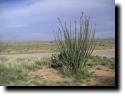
46	8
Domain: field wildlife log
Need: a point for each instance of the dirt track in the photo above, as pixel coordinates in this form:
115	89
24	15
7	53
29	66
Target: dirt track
107	53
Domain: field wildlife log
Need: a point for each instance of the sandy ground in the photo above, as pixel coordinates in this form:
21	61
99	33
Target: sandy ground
100	77
107	53
48	74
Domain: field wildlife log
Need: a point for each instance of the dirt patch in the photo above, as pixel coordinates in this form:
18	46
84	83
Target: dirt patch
48	74
101	77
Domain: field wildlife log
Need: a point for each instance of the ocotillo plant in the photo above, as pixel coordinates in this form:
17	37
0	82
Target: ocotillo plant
75	44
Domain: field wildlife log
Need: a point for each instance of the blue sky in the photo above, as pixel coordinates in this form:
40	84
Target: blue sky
27	20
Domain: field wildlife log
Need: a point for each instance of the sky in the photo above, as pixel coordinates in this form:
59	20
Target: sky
28	20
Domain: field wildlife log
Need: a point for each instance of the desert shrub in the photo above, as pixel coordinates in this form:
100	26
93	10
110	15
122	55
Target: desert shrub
75	44
77	75
55	61
38	62
42	62
54	58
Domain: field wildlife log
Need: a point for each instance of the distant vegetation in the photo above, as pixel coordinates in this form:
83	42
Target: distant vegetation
3	46
47	46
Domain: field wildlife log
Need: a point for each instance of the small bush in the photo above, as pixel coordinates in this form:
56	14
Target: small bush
42	62
78	75
38	62
56	63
